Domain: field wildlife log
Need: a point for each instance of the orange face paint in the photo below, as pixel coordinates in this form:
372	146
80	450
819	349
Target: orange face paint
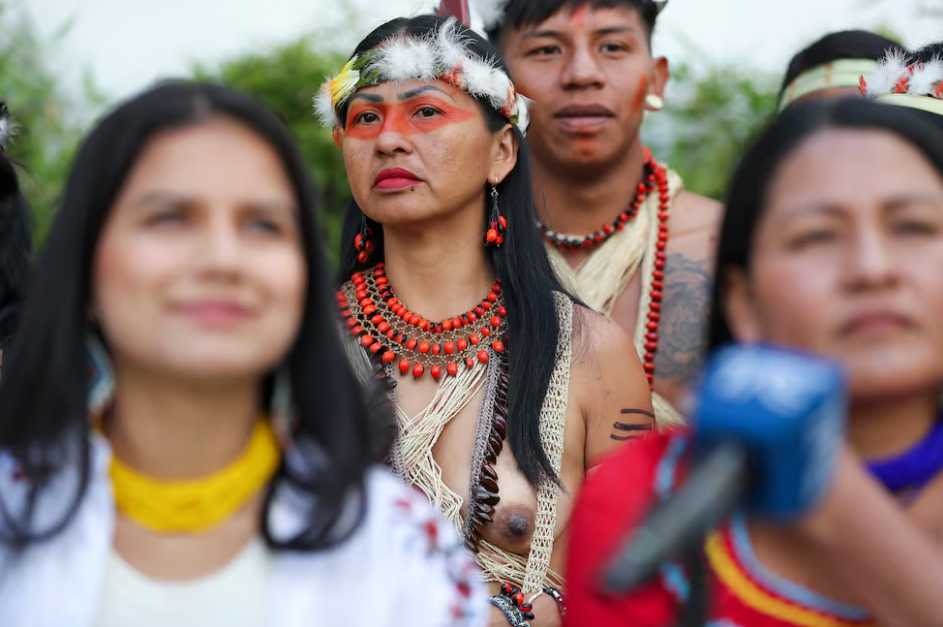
640	95
367	120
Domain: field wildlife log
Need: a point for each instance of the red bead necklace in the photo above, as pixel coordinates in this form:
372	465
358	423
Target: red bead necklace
388	330
658	275
575	242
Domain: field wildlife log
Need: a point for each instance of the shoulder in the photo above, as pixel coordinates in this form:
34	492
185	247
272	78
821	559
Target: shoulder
598	336
692	213
417	551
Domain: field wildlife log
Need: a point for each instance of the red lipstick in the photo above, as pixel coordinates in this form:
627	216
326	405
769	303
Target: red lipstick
395	178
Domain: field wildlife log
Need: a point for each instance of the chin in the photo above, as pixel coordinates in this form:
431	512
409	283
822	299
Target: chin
894	373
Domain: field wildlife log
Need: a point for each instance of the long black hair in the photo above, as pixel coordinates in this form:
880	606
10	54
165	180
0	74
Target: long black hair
15	237
747	196
847	44
527	278
44	419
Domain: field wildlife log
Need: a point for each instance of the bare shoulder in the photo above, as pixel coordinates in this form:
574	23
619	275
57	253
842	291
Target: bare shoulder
693	214
598	342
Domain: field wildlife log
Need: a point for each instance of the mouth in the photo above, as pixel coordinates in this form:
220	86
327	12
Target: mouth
583	118
395	178
215	313
875	324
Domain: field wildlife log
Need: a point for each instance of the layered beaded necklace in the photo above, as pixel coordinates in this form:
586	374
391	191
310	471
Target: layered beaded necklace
656	176
389	331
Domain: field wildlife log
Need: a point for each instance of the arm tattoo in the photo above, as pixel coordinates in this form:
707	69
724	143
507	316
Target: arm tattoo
683	328
629	430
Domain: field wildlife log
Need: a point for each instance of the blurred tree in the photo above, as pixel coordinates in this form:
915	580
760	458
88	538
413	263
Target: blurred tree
287	78
48	121
713	113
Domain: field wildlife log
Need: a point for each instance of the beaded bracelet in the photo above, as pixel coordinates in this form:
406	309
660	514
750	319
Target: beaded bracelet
557	596
511	603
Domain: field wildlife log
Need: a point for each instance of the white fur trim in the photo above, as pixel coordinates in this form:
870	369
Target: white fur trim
884	79
926	78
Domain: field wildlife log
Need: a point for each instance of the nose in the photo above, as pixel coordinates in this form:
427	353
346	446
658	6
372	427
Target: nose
220	250
393	137
872	262
582	70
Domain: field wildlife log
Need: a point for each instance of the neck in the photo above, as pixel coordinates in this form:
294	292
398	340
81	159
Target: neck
882	429
439	268
173	429
580	204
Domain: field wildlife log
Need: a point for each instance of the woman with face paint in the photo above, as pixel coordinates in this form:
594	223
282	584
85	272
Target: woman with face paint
220	470
505	390
833	232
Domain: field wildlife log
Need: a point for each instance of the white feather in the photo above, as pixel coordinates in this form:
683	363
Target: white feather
484	81
885	77
926	78
324	108
490	12
523	113
404	59
451	46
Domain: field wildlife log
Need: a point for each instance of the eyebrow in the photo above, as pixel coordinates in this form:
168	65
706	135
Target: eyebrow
892	205
266	205
412	93
368	97
612	30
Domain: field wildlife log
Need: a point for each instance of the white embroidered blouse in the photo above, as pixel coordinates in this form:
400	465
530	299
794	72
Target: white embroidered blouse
403	566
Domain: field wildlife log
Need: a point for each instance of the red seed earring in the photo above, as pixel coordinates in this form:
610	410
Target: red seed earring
497	223
363	241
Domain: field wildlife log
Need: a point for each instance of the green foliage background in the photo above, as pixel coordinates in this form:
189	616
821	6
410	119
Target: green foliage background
714	111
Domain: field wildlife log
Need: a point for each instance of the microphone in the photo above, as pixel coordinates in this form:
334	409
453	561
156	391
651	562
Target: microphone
768	424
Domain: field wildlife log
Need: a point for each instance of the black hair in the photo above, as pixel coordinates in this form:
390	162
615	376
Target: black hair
747	197
43	396
15	239
520	13
928	53
849	44
527	279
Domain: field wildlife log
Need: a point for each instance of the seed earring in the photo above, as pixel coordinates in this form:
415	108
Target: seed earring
363	241
101	383
497	223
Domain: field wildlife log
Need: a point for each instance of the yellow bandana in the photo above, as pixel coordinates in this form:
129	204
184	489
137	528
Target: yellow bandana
199	505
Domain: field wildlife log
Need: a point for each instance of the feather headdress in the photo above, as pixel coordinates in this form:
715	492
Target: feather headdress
441	55
898	81
7	126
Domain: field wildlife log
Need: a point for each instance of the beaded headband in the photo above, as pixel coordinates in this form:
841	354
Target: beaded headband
441	55
899	82
840	73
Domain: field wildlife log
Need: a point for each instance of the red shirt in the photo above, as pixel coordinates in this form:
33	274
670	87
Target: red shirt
617	497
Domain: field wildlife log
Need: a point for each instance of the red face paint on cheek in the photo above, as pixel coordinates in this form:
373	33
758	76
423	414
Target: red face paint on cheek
414	117
641	94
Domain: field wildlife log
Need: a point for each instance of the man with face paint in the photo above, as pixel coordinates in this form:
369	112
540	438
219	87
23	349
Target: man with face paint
15	239
622	233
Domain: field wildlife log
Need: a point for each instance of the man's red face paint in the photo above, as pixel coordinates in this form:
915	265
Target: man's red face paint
642	92
367	120
578	18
